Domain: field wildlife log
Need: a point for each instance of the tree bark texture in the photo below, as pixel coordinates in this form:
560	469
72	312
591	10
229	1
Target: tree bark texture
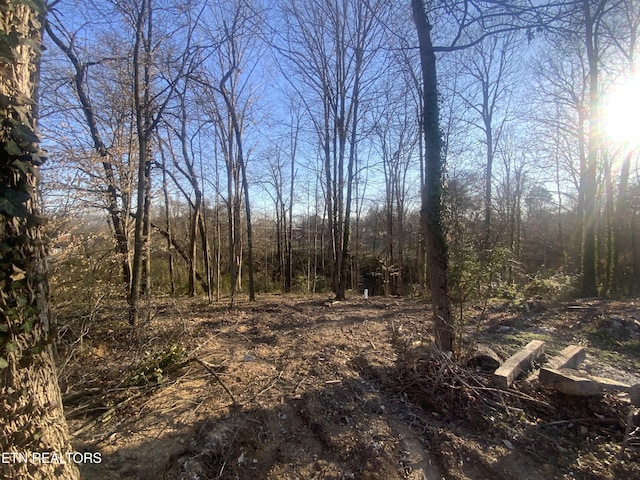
31	413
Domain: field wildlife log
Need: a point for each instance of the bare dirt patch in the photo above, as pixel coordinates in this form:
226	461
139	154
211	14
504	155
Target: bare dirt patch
307	388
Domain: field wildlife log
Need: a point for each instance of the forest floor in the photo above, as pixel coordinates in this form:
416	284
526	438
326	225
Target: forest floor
295	387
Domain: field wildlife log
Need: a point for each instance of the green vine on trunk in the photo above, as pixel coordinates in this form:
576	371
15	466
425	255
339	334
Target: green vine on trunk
20	159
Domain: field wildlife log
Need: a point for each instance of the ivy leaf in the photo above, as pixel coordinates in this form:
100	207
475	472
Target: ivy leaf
12	203
23	113
12	148
38	159
11	39
38	348
27	325
21	301
22	99
3	363
13	210
23	135
22	166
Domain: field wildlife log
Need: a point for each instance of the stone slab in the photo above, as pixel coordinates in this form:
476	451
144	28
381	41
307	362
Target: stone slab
504	376
572	382
570	357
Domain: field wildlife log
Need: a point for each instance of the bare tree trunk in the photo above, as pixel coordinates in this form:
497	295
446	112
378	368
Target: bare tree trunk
609	250
237	136
167	217
206	252
231	218
589	244
247	206
218	242
289	263
31	411
145	285
620	227
142	96
422	246
431	212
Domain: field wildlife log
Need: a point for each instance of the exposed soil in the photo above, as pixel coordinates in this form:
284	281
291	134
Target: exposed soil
307	388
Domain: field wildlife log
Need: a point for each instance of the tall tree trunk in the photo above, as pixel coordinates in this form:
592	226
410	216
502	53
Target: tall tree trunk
422	247
589	244
488	182
145	286
218	242
621	229
247	207
432	201
31	413
232	230
289	266
165	193
237	136
607	281
206	253
141	100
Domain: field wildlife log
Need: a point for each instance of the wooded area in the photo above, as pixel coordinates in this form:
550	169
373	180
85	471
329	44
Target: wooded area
453	151
234	146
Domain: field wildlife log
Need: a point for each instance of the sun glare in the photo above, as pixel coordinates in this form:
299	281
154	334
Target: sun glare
622	114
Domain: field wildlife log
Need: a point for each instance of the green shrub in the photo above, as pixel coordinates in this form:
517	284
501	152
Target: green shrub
557	286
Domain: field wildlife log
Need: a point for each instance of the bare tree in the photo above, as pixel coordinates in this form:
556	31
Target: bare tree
490	65
491	18
115	181
395	128
149	105
331	47
228	103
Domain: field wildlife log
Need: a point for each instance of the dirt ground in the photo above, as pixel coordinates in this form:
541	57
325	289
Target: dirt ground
307	388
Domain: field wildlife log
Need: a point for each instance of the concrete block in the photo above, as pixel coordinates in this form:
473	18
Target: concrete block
504	376
577	383
570	357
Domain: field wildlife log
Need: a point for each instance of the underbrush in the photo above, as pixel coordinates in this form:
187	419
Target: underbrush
596	437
